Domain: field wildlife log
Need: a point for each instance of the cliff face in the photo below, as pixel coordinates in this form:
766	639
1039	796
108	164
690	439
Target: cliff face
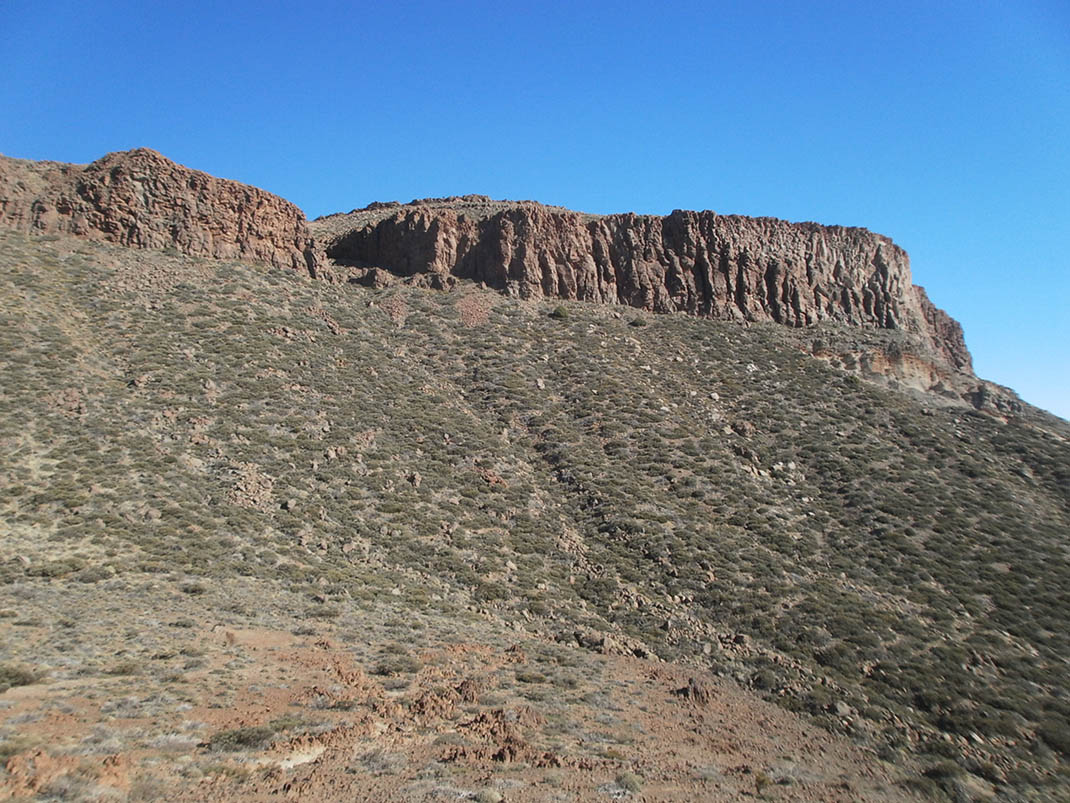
141	199
701	263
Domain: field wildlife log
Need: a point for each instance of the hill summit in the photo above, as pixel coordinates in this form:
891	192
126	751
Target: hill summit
280	519
704	264
141	199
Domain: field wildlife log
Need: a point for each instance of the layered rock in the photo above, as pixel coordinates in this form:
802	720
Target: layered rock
141	199
700	263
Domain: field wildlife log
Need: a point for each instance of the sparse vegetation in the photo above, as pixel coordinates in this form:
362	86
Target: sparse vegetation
630	782
893	571
397	665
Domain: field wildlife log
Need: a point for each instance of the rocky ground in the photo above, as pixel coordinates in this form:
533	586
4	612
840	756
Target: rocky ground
155	687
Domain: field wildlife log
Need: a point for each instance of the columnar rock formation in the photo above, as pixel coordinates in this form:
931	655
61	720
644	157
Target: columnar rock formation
141	199
701	263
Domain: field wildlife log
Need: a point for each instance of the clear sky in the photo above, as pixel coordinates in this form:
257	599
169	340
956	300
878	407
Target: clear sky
945	125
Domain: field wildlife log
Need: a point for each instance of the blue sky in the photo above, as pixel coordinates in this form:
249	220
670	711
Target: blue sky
943	125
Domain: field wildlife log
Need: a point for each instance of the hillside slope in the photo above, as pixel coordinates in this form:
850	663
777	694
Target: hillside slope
191	443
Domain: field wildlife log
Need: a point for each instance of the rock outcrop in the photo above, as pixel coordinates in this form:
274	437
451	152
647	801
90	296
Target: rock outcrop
141	199
700	263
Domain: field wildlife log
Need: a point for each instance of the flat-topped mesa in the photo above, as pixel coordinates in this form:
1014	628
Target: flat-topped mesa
141	199
700	263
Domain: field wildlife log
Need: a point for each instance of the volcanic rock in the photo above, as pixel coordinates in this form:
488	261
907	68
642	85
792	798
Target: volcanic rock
139	198
700	263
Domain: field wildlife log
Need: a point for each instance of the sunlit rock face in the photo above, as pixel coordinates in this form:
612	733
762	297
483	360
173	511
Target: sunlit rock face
700	263
139	198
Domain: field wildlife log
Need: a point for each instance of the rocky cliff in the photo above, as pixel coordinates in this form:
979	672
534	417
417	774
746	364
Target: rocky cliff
141	199
700	263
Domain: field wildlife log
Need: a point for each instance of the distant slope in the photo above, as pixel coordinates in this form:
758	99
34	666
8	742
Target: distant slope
666	486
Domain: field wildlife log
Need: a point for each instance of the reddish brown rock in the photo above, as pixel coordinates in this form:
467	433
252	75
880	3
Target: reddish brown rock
701	263
141	199
945	332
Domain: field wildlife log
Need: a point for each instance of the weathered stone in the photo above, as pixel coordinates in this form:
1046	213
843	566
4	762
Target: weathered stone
695	691
701	263
141	199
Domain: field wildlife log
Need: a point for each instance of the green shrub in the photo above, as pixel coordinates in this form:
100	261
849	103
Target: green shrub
247	738
10	747
124	668
1056	733
630	782
398	665
943	770
12	675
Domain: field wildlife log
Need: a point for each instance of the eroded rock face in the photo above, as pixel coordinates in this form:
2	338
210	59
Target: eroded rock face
141	199
701	263
944	331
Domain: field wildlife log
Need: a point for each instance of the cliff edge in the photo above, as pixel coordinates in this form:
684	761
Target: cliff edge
700	263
